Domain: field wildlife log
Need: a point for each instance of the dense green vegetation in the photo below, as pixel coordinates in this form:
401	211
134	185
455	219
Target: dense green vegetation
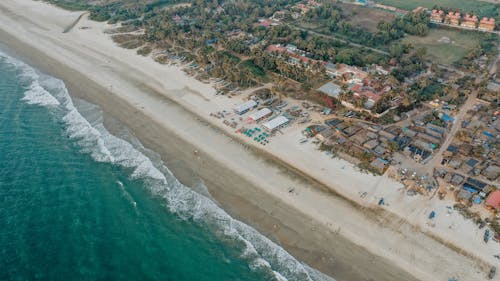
72	5
330	20
224	39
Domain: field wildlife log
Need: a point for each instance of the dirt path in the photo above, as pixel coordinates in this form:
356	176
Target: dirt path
438	157
73	24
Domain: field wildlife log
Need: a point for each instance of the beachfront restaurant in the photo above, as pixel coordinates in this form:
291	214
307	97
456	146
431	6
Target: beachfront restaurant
245	107
259	115
275	124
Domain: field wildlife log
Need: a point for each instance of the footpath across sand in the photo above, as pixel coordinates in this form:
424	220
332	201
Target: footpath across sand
167	109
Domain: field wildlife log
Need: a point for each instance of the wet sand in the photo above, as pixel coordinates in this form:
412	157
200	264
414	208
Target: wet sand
323	222
304	238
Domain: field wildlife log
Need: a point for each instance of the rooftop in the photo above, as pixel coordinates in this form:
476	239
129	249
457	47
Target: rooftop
331	89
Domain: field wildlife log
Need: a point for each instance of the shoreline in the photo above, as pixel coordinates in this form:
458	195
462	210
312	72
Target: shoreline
313	241
283	224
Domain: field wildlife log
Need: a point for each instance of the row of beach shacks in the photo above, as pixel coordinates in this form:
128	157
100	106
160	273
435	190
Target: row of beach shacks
271	125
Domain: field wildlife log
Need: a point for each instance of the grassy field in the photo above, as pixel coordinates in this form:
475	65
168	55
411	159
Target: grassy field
482	8
365	17
445	46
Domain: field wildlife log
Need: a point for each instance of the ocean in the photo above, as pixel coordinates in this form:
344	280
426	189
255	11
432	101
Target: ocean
78	203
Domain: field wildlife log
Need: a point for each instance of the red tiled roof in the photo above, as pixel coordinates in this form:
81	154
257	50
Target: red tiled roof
493	199
356	88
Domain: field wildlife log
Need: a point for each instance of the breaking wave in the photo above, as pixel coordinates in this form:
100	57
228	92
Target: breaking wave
89	133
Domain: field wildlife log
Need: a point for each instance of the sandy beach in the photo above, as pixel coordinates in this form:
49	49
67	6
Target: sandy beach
323	222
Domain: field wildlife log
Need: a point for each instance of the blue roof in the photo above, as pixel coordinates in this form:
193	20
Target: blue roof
385	162
469	188
475	183
452	148
447	118
471	162
212	41
488	134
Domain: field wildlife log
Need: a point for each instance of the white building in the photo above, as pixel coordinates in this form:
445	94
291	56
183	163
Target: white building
276	123
245	107
261	114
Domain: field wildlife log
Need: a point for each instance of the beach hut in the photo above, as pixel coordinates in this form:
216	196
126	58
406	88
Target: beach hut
259	115
245	107
275	123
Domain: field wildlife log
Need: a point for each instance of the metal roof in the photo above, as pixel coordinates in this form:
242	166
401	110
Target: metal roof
245	106
331	89
275	123
259	114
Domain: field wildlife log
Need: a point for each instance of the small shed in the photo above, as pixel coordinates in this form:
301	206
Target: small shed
379	150
379	164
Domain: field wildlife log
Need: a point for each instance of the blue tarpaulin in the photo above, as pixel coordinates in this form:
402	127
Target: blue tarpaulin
488	134
432	215
447	118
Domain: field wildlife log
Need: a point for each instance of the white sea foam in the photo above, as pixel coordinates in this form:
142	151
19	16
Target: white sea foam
38	95
261	253
126	194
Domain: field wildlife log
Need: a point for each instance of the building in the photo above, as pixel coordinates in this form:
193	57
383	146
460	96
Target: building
379	150
267	23
276	123
491	172
385	7
351	130
245	107
493	200
325	134
437	16
452	18
387	135
295	55
469	21
333	122
487	24
474	184
351	74
434	129
331	89
261	114
302	8
379	164
464	196
457	179
371	144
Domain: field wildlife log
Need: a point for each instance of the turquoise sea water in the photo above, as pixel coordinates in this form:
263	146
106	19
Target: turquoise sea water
77	203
